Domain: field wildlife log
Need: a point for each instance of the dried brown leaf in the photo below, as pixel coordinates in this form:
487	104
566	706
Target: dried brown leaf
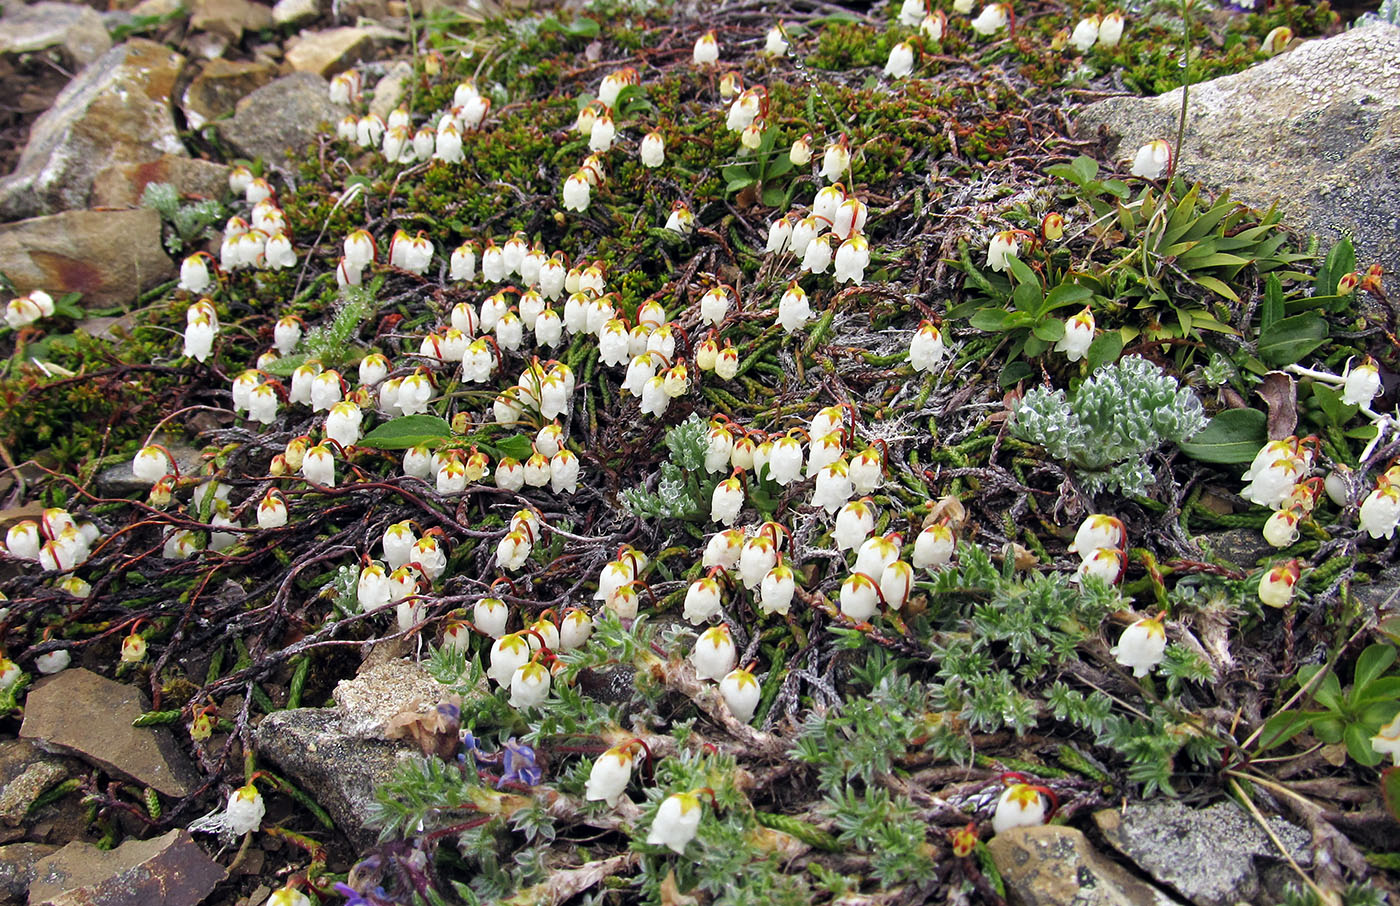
1279	392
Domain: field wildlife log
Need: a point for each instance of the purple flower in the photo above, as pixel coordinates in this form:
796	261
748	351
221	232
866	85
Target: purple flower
519	765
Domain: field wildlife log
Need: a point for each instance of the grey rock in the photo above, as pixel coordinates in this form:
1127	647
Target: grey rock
119	481
116	111
17	868
338	771
26	771
170	870
75	29
108	256
218	87
328	52
1053	865
281	115
295	12
1206	855
1382	592
1240	547
1316	129
90	716
390	90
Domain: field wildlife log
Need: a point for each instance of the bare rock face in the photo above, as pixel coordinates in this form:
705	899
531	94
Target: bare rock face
108	256
1316	130
79	712
77	31
117	111
229	18
219	86
170	870
328	52
121	186
279	116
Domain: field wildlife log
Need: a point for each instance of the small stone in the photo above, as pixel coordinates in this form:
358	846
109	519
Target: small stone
390	90
1053	865
295	12
157	8
171	870
338	771
229	18
118	480
219	86
282	115
1240	547
26	771
108	256
328	52
116	111
1206	855
122	186
76	29
17	866
90	716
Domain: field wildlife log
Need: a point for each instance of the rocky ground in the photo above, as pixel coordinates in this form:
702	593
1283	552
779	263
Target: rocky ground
246	654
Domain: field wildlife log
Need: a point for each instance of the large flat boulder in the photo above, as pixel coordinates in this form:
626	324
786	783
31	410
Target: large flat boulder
108	256
1316	130
117	111
90	716
170	870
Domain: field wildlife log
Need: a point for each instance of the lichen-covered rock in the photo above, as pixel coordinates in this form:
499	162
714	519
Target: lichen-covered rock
229	18
281	115
1052	865
339	771
171	870
1316	130
117	111
108	256
1207	855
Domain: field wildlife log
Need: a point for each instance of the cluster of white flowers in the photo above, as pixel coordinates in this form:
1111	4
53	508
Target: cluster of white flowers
57	541
26	309
438	137
1101	544
1105	32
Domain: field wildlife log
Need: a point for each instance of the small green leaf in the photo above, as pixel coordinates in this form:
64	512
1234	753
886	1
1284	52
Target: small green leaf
1358	740
517	446
990	319
1105	349
1289	340
1272	311
1374	661
1049	330
1341	260
1219	287
1282	727
1014	372
409	431
1233	436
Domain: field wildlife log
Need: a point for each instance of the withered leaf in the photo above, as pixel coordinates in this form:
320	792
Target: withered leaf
1280	393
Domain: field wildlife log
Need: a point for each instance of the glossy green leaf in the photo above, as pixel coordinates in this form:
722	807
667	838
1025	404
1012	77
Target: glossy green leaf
409	431
1358	741
1373	662
1282	727
1233	436
1289	340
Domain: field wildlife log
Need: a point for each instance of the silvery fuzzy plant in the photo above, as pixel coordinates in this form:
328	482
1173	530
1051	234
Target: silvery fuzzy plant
1119	415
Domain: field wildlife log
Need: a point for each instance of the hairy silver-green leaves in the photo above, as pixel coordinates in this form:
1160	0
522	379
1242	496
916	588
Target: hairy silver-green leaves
1119	415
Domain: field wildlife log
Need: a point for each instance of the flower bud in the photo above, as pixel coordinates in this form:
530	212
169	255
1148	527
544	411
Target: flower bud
1276	585
714	653
676	822
1141	646
741	692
